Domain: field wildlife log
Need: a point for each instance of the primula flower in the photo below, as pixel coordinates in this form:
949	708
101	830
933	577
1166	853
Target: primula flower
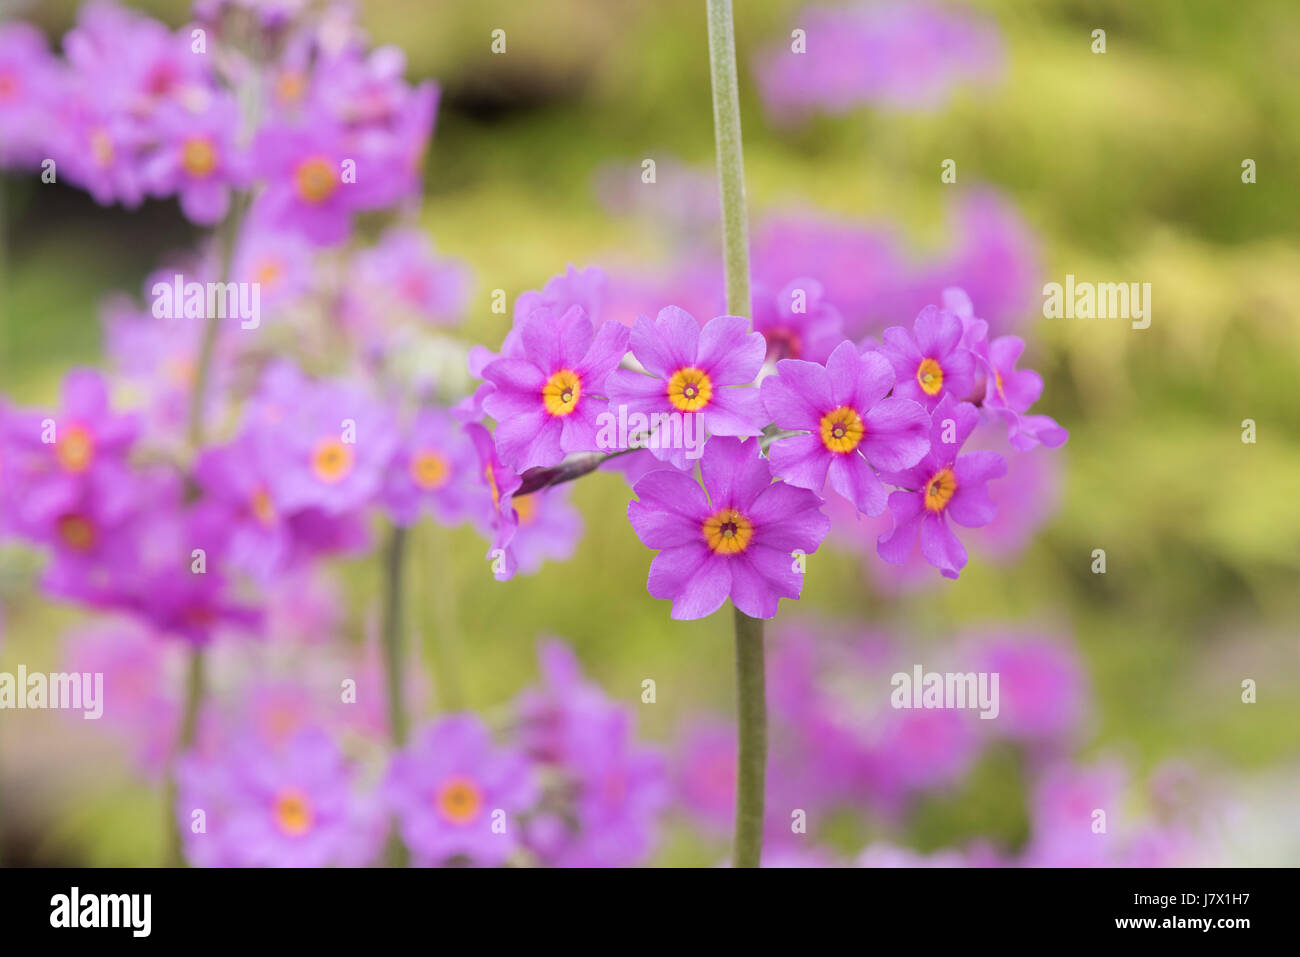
448	788
942	485
735	537
196	156
852	428
306	192
546	402
256	536
325	445
499	517
930	362
435	469
797	322
697	372
28	76
292	806
1009	392
281	263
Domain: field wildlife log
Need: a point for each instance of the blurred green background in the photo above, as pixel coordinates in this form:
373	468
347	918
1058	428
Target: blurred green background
1126	164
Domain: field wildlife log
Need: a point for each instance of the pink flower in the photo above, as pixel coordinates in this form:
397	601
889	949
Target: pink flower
942	486
692	371
547	401
852	429
457	796
930	362
739	540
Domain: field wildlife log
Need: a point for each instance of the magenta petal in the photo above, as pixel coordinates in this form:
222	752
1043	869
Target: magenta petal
940	546
854	479
579	429
808	381
1004	352
907	510
667	344
576	334
898	346
729	352
786	406
788	518
801	460
696	580
669	509
527	441
760	578
897	434
937	331
603	357
734	472
1021	389
735	411
875	377
540	335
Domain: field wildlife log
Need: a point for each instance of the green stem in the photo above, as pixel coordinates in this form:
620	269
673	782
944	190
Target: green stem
440	621
390	633
227	237
731	160
751	754
751	703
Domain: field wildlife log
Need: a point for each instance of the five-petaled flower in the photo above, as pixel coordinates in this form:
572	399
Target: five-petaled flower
705	371
942	485
733	538
930	361
850	426
547	401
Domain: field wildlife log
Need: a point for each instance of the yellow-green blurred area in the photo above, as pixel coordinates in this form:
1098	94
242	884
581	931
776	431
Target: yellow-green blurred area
1128	166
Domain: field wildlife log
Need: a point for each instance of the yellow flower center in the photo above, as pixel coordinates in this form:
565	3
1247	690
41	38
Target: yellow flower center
459	801
290	86
492	484
331	460
268	272
727	531
261	506
77	532
429	470
199	157
561	393
689	389
101	148
929	375
526	508
842	430
76	449
940	490
315	180
292	812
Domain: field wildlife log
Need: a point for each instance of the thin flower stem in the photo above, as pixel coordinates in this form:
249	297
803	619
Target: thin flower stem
227	237
731	160
751	704
751	760
390	633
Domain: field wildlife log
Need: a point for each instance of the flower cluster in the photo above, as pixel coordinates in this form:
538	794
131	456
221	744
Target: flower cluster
774	434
